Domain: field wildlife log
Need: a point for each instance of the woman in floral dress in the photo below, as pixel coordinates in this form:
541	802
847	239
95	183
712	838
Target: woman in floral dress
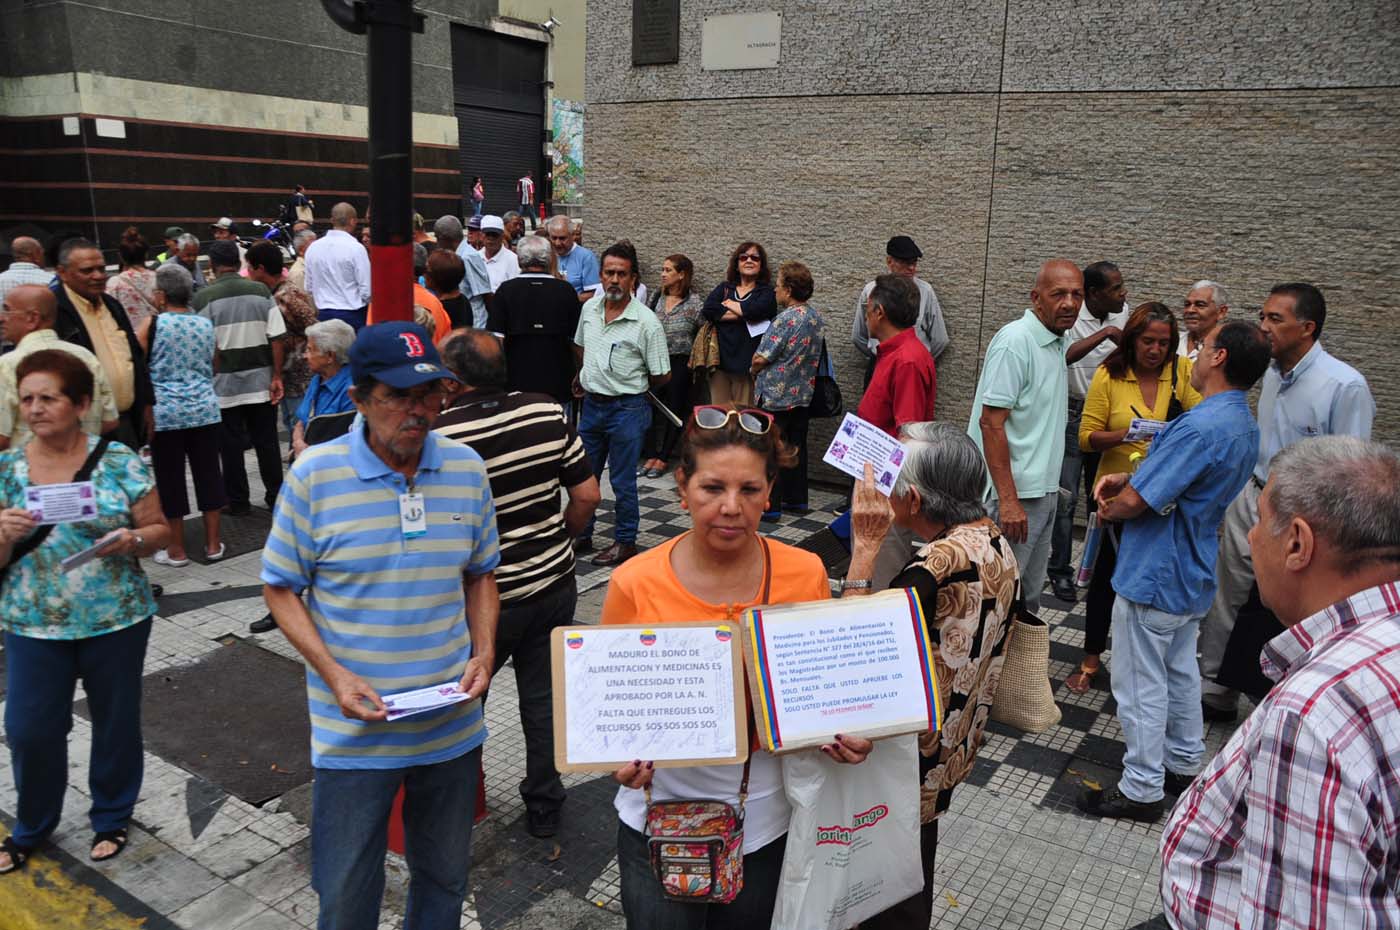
135	285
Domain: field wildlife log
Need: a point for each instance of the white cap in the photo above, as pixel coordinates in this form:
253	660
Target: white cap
223	223
489	223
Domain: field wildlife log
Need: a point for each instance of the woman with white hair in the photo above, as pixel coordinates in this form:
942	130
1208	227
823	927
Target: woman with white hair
326	410
966	580
188	424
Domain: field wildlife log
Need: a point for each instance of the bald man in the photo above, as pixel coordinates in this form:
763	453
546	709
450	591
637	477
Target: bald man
26	267
30	311
337	270
1019	413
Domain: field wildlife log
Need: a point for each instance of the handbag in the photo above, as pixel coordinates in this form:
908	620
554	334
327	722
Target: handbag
1024	698
36	539
704	354
1174	408
826	393
696	846
305	214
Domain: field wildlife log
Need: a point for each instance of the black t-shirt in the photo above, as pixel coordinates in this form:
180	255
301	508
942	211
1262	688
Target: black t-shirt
538	315
459	310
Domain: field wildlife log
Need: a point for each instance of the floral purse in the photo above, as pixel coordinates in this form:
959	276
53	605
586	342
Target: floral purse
697	846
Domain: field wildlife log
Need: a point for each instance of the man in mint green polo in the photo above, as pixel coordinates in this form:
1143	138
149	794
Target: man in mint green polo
1018	417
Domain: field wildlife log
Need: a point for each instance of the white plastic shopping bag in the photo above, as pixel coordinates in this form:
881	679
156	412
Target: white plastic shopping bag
853	844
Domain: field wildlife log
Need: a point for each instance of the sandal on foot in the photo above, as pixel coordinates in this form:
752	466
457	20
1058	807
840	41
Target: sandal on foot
1080	681
18	854
116	837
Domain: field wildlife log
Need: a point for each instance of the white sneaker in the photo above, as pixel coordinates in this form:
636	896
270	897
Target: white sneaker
216	556
162	559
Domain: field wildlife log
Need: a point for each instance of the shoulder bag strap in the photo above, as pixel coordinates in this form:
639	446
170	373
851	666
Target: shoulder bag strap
763	599
36	539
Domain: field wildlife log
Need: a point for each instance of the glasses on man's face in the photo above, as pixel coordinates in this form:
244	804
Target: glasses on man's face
750	257
751	419
403	401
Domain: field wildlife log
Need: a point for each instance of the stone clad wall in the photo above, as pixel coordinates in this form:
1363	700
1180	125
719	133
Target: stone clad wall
1182	141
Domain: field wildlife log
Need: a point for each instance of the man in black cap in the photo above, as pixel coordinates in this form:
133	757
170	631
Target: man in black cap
902	258
172	235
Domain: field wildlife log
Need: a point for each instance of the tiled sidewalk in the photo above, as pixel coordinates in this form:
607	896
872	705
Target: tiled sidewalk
1013	851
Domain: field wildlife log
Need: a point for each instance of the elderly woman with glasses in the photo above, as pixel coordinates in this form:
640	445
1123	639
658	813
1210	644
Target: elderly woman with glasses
326	409
966	579
722	567
745	298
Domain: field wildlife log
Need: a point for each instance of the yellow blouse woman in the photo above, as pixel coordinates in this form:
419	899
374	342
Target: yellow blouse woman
1140	380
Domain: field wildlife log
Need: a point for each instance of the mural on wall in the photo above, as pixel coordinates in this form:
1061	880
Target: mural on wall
568	151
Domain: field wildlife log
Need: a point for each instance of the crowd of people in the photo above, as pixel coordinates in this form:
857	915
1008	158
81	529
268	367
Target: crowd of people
418	535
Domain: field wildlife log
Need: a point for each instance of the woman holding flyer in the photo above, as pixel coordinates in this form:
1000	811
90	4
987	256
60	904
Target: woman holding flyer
729	459
64	622
1135	390
966	578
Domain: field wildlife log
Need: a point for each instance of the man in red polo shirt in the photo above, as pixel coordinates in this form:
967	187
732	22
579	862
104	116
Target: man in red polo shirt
904	384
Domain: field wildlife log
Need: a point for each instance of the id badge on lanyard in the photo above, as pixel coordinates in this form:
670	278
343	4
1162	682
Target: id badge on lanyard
413	515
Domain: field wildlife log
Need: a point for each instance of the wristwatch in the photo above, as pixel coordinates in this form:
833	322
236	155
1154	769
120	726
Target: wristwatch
140	542
849	585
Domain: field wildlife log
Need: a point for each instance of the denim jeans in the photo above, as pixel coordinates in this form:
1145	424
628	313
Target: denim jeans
523	635
350	831
647	908
40	675
1158	689
1033	555
612	432
1076	465
288	406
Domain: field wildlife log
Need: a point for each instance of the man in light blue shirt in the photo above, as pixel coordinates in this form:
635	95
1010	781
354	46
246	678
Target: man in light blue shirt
476	285
1170	508
578	265
1306	393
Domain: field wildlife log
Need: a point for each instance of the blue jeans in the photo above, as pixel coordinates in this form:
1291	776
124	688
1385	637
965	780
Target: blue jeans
613	431
288	406
350	832
1076	464
1158	689
40	675
476	207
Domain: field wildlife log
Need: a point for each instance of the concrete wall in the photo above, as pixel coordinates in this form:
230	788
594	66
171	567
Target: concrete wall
1250	142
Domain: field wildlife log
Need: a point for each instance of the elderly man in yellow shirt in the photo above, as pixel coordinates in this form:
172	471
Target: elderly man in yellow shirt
89	318
28	322
1143	380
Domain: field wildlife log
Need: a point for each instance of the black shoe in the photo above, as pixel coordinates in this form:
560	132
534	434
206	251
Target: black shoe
238	510
771	516
1064	590
265	624
1175	784
615	554
542	824
157	590
1212	714
1113	804
583	545
797	510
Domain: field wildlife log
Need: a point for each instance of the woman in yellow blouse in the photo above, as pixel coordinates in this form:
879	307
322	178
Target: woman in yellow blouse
1143	379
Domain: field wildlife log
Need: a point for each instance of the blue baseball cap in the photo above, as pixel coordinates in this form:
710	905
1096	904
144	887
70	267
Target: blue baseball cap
400	354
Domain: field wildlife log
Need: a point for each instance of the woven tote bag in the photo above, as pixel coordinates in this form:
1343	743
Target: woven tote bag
1024	697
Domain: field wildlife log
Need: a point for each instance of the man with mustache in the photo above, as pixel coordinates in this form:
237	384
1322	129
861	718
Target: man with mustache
390	532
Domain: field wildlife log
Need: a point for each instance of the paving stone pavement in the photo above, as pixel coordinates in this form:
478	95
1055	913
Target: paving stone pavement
1013	851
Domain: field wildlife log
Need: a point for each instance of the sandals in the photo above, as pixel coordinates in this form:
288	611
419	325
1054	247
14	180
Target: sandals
1082	679
217	555
116	837
18	854
163	557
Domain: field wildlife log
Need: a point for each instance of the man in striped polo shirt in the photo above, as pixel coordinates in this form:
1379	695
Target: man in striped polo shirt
530	453
248	333
390	533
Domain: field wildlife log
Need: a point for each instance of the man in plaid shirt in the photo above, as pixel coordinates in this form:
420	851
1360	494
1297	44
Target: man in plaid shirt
1295	823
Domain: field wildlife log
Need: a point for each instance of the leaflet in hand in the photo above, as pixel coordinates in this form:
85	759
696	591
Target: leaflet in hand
858	442
759	328
408	703
69	502
1143	429
79	559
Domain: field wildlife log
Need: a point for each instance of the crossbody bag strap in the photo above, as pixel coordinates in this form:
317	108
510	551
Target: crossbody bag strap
763	599
36	539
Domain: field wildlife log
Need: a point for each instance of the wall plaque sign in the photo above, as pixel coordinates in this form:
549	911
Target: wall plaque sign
656	32
741	41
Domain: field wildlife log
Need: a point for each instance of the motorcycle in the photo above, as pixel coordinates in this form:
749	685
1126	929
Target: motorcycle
279	233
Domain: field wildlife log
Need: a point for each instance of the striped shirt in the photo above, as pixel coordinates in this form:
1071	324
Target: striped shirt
245	319
530	453
1295	823
619	356
389	608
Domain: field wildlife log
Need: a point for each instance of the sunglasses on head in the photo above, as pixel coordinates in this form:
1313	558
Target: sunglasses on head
751	419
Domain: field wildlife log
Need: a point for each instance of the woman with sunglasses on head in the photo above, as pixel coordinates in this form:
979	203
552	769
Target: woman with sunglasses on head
745	298
716	571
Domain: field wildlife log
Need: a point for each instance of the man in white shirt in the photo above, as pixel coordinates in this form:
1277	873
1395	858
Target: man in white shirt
1102	317
27	266
501	263
1205	308
337	271
526	187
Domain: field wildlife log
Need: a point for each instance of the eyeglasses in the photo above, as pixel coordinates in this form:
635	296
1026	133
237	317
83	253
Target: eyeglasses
751	419
750	257
401	401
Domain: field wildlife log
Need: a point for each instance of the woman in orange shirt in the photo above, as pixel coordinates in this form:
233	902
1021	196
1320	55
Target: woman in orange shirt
729	458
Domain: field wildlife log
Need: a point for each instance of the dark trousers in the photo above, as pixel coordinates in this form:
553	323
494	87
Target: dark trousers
915	911
647	908
252	425
790	490
201	446
523	635
1077	468
663	435
355	318
1098	606
129	431
40	676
